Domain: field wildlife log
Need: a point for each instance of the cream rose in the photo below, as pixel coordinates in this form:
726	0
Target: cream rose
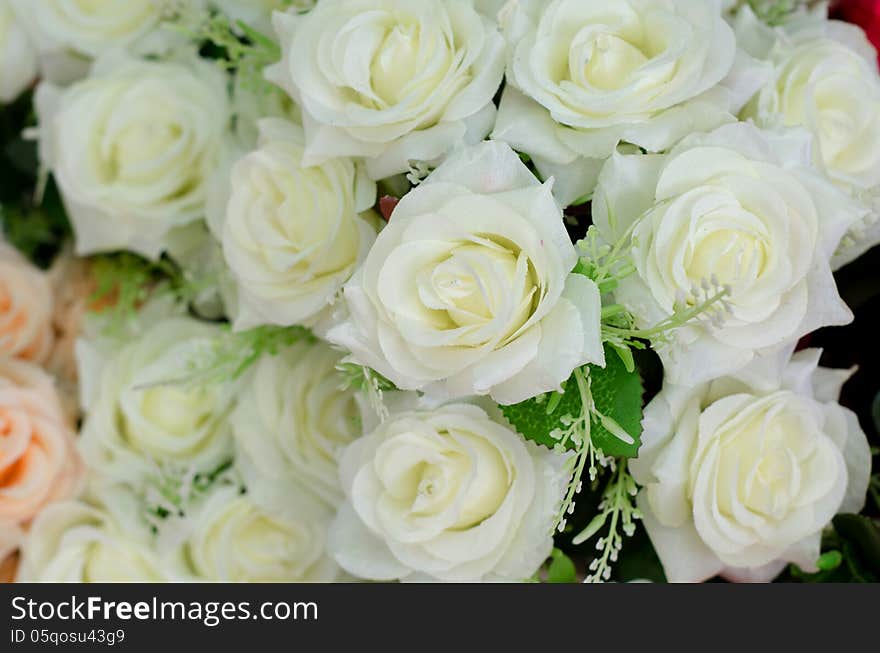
292	419
825	80
447	494
70	34
292	235
18	55
742	474
145	417
38	459
584	75
99	539
390	80
25	308
739	208
232	539
132	149
468	289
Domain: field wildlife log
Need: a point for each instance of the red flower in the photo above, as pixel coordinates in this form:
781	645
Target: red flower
864	13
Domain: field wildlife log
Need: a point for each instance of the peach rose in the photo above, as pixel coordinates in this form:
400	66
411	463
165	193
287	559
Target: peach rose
8	567
73	286
25	308
38	458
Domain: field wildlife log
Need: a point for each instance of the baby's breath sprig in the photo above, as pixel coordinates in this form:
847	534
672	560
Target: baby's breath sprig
605	264
246	51
170	494
574	432
707	303
372	384
608	264
618	511
171	489
229	355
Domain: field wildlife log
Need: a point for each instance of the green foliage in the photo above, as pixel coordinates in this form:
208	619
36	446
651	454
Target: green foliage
774	12
231	354
369	382
124	281
561	568
36	224
874	490
851	553
603	263
616	410
361	378
37	230
171	490
236	46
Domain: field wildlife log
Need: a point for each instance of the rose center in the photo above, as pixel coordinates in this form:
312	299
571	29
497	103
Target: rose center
732	256
138	147
611	61
396	62
478	283
176	410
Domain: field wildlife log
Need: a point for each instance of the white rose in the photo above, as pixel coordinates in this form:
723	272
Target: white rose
825	79
132	148
292	419
99	539
742	474
145	417
234	540
292	235
584	75
739	208
468	289
18	56
447	494
390	80
70	34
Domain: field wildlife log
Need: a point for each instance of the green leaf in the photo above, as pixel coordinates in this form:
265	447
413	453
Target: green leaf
617	395
562	569
829	561
861	537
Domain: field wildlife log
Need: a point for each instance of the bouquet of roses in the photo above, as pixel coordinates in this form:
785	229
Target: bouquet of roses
433	290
